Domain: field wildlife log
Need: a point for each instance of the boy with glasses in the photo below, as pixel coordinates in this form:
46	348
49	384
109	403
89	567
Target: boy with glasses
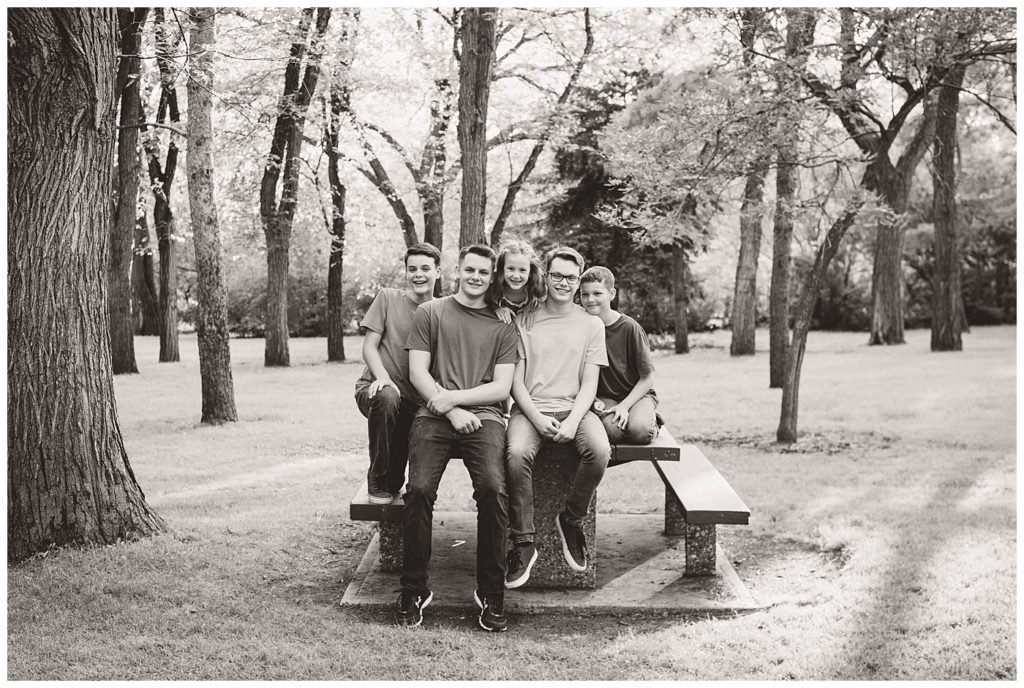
554	385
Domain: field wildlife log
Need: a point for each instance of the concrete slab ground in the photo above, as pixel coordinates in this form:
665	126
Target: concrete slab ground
638	569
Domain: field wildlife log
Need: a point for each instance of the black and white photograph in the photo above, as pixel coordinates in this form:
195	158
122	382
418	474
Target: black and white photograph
590	343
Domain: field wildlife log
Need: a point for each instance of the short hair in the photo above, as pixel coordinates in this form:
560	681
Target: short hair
565	253
423	249
479	250
599	273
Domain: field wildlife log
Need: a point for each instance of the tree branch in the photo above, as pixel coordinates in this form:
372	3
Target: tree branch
143	125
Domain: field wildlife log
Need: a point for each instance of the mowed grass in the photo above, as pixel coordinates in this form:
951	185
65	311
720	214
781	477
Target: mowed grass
883	544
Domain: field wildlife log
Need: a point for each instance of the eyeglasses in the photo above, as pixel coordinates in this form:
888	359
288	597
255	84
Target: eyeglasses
569	279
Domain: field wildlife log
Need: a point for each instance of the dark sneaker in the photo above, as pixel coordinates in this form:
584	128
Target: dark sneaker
520	561
380	497
492	611
574	543
410	607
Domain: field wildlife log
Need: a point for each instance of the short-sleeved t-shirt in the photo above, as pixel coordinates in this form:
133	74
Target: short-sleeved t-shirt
390	316
556	348
629	359
464	344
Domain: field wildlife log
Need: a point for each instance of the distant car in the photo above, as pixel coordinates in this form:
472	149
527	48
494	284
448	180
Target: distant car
715	323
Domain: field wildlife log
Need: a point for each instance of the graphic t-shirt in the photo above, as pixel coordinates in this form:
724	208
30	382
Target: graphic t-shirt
390	316
629	359
556	348
464	344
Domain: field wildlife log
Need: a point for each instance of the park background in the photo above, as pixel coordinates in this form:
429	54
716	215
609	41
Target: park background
883	537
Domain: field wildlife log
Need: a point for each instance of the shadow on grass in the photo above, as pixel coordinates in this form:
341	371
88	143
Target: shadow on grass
887	625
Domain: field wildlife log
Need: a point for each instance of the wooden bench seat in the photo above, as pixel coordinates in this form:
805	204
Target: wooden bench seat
697	499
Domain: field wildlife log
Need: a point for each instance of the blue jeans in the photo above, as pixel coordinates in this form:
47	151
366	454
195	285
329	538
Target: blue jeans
432	442
523	444
641	426
389	417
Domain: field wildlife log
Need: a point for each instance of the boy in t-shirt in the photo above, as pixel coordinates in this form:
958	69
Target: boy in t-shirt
384	394
553	388
461	361
626	399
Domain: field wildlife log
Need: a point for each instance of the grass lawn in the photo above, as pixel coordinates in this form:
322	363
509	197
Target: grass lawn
884	542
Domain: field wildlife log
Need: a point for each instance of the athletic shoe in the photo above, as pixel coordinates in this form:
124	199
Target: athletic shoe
492	611
574	543
379	496
521	559
410	607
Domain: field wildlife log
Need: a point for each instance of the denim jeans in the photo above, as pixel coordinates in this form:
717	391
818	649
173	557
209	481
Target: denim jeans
523	444
432	442
389	417
641	427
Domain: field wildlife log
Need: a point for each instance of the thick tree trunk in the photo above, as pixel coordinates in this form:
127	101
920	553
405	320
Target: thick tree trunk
285	152
887	284
69	480
147	321
744	311
787	431
680	297
475	70
946	287
119	287
433	164
212	314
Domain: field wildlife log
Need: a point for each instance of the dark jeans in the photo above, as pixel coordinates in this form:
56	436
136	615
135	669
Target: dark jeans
432	442
389	418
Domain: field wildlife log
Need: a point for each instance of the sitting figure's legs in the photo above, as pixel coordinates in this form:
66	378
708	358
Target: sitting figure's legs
595	452
387	446
429	449
523	441
642	426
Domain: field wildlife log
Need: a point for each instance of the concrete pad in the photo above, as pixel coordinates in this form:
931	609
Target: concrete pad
638	569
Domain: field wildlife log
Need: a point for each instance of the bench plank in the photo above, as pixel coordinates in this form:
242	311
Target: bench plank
704	494
663	448
360	508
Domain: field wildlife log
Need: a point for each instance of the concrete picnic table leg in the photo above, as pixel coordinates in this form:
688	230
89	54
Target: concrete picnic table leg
391	549
701	540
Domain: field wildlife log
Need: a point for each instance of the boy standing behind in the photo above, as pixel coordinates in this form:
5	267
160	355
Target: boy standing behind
625	388
384	393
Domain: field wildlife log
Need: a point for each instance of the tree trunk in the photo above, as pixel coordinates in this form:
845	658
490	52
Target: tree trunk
475	71
285	152
787	431
119	289
161	181
744	314
147	323
433	164
887	284
947	302
212	314
69	480
800	25
680	298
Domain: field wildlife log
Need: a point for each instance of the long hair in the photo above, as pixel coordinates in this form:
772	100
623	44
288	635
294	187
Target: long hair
536	289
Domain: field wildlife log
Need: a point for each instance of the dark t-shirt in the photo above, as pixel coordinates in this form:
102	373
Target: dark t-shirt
464	344
629	359
390	316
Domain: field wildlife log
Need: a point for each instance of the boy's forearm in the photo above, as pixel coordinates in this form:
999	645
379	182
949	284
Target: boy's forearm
584	400
641	388
481	395
372	359
525	402
423	383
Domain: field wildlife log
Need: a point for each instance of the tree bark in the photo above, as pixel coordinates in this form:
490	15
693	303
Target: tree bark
787	431
69	480
119	289
800	25
475	71
340	108
433	163
161	180
946	289
147	322
285	151
744	311
212	314
680	296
